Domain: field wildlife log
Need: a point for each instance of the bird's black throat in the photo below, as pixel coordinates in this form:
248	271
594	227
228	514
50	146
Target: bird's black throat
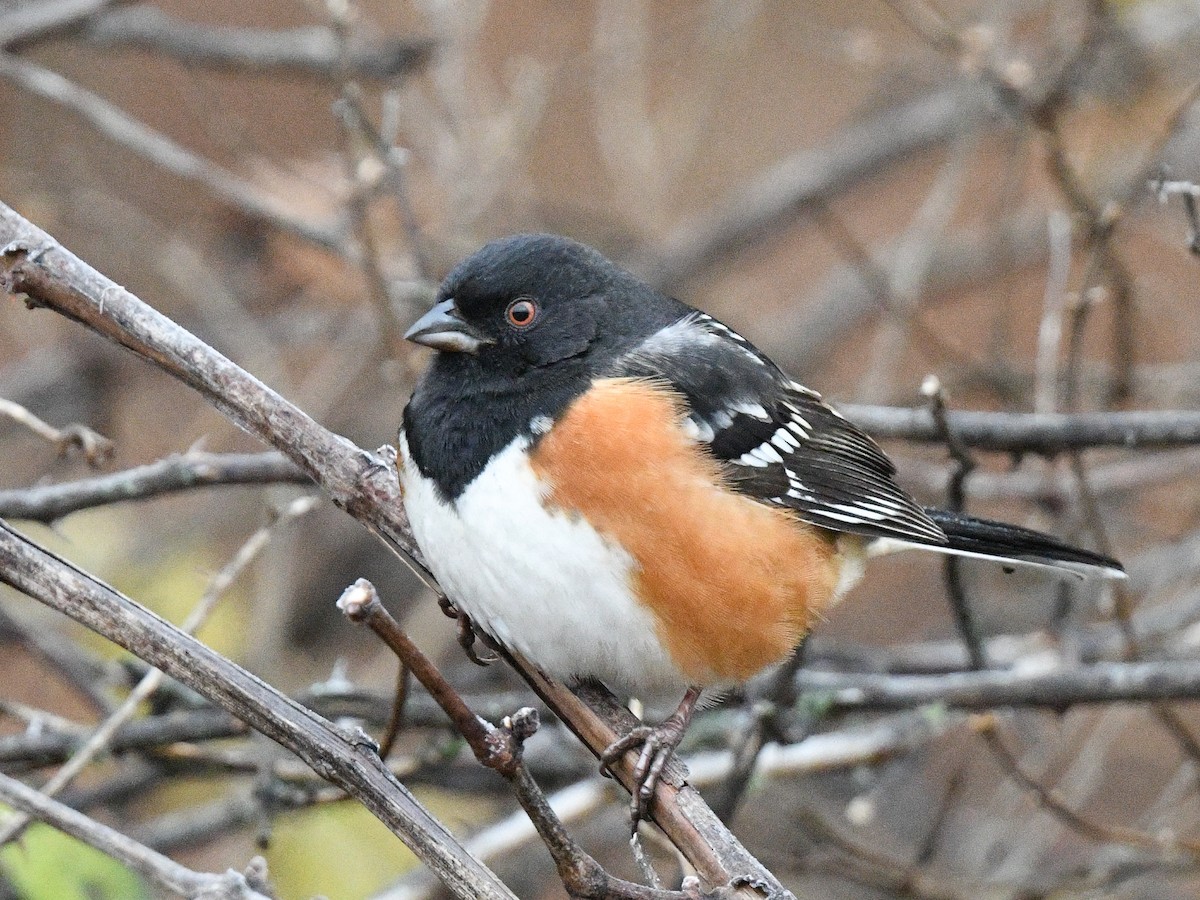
460	417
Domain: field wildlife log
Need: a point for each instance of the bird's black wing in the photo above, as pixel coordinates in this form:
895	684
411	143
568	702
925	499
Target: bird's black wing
780	442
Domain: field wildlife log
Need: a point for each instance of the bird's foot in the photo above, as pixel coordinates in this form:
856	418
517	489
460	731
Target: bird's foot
467	635
658	745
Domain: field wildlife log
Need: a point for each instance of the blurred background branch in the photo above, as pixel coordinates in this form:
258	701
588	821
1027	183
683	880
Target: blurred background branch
870	191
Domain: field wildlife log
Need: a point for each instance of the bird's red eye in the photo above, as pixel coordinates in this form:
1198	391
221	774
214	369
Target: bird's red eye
521	312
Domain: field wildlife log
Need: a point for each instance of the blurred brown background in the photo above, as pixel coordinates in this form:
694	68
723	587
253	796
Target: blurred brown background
871	193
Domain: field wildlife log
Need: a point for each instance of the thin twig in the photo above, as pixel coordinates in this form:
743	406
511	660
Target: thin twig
95	447
50	502
313	52
501	749
101	738
956	498
134	135
36	21
164	872
1187	191
1053	802
366	485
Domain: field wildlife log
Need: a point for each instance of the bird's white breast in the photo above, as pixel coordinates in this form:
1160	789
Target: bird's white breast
539	580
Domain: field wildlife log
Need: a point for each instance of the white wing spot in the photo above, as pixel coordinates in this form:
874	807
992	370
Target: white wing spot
861	512
754	410
801	389
784	440
881	503
830	514
768	452
698	430
749	459
796	482
541	424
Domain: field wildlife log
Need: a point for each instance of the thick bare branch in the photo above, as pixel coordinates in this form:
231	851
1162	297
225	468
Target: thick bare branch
34	264
347	761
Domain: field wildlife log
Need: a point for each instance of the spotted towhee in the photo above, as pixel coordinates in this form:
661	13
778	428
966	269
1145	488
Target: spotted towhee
622	488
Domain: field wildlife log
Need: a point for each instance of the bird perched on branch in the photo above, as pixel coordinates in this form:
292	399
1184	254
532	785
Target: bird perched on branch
622	488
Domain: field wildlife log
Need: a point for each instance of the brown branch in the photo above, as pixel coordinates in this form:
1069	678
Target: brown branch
597	720
50	502
501	749
34	264
346	761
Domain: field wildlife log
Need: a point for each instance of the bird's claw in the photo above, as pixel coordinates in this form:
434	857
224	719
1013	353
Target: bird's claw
658	745
467	636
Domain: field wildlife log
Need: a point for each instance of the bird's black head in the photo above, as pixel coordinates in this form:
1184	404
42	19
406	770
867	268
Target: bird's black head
533	300
522	327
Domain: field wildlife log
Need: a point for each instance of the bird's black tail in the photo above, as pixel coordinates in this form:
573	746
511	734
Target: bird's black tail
969	536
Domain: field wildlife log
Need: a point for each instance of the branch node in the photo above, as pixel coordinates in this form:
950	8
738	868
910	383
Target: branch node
523	723
95	447
360	740
359	601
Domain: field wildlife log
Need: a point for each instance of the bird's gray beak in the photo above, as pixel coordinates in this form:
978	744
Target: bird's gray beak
442	328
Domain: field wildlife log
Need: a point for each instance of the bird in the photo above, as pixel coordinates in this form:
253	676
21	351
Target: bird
624	489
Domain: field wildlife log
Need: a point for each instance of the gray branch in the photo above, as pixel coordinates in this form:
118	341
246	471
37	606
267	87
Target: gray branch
1109	682
1033	432
788	190
347	761
313	51
37	20
164	872
32	263
48	503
